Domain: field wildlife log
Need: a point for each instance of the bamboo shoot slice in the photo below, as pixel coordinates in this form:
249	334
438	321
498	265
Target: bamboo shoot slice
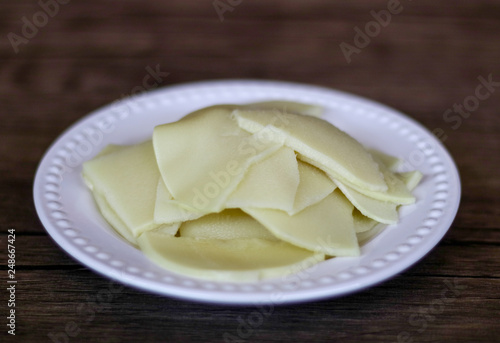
237	260
364	237
326	226
362	223
397	192
269	183
325	146
288	106
228	224
411	179
167	211
389	161
127	179
381	211
314	186
113	219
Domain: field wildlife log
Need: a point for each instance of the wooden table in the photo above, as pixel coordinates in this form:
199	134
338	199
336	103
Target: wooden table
424	59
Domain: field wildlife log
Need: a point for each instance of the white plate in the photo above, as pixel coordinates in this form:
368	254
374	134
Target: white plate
67	211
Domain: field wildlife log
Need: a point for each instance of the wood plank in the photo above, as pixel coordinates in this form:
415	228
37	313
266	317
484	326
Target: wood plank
422	87
99	36
420	306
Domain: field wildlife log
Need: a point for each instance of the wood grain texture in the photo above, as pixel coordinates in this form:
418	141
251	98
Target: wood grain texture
91	53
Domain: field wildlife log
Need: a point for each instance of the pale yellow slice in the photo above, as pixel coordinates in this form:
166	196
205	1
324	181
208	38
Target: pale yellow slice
364	237
238	260
167	211
113	219
326	226
127	179
118	225
362	223
396	193
170	229
313	187
381	211
389	161
322	144
228	224
288	106
411	179
269	183
110	148
204	156
365	227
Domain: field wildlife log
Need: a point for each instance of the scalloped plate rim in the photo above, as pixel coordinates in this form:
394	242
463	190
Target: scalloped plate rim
235	293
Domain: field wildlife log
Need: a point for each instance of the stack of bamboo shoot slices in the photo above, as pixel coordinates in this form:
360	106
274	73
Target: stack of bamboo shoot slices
242	193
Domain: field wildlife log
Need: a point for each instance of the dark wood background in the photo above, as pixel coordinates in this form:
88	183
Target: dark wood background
93	52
